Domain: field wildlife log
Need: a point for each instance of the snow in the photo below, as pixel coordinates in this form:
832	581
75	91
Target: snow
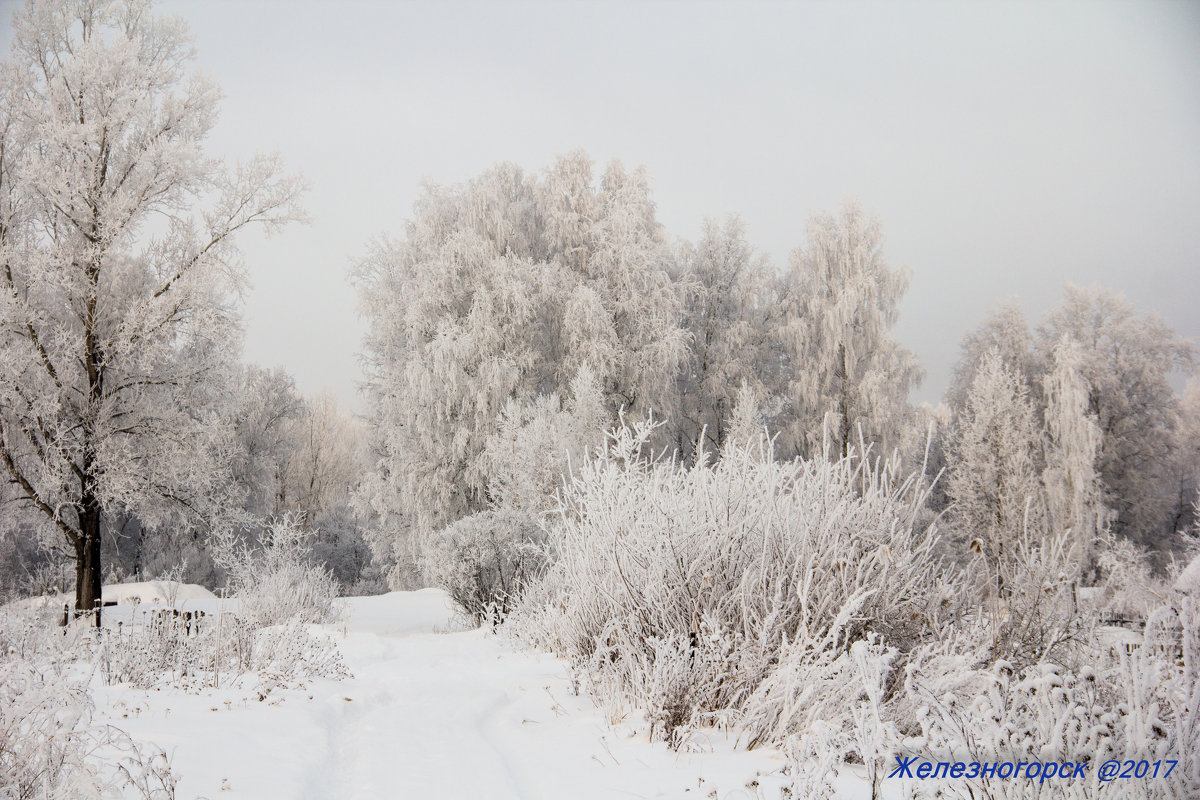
433	710
160	592
1189	578
186	595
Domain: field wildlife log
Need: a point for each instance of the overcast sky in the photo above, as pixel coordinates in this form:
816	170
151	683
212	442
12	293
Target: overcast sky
1008	148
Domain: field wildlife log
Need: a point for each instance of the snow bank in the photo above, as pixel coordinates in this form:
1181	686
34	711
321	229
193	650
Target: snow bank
159	592
155	592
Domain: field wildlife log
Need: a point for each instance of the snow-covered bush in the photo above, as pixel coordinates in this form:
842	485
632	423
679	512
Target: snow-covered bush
279	581
50	749
678	590
1101	699
485	560
163	649
30	632
1129	588
279	593
159	650
826	706
1036	613
284	654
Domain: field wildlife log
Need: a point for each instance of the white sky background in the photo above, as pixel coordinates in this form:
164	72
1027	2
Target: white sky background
1008	148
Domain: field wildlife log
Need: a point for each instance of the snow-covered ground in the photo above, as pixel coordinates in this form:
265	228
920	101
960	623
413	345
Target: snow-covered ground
163	593
432	711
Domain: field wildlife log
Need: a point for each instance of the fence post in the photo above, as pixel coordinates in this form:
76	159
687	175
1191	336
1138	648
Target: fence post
217	654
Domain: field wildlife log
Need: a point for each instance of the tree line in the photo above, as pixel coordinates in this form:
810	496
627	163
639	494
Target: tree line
521	314
513	323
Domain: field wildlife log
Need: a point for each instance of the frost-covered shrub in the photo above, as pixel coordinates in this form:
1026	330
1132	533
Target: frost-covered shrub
162	649
826	706
1108	701
30	632
678	590
1037	614
1129	588
278	594
284	654
279	581
41	748
485	560
50	749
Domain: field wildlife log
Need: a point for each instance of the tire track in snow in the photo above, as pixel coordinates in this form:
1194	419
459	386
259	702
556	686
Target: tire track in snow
410	722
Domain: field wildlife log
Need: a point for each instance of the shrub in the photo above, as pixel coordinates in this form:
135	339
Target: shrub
1139	703
49	747
279	581
678	590
279	593
485	560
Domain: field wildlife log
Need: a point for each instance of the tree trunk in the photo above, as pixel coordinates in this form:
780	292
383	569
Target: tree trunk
87	554
80	549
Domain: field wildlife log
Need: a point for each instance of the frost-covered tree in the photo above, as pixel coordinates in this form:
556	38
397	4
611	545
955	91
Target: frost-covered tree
265	417
993	479
1127	360
1186	470
1007	332
746	427
1072	486
325	462
847	373
730	313
538	442
623	317
501	290
462	320
485	560
116	264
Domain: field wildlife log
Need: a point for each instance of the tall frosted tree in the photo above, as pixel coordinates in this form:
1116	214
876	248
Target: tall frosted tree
1127	360
1072	436
1005	330
730	313
1186	483
117	331
501	291
847	373
622	316
539	443
324	463
264	420
993	459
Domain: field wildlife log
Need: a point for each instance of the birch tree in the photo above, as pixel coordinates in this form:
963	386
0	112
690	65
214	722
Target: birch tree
847	372
1006	331
993	479
462	320
1128	360
265	419
1072	484
501	291
117	331
325	461
730	314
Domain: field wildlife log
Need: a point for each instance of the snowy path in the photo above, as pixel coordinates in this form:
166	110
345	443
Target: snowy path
427	715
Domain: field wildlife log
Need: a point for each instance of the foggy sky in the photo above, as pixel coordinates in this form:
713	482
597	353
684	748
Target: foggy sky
1007	148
